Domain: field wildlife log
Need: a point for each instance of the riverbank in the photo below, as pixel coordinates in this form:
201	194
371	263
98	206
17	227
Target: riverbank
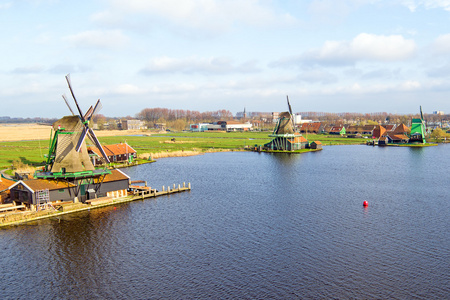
159	145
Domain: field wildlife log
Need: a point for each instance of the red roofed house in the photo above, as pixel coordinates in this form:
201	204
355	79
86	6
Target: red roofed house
378	132
340	129
402	129
313	127
116	153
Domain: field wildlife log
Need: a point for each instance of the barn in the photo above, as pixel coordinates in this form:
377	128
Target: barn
38	191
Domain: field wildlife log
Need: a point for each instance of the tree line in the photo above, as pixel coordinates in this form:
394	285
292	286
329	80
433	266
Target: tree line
161	115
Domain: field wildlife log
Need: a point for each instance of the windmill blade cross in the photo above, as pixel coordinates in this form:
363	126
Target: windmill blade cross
82	138
73	95
93	138
289	105
89	113
67	103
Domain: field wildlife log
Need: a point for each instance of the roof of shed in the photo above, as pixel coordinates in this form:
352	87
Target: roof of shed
402	128
5	183
398	137
116	175
43	184
116	149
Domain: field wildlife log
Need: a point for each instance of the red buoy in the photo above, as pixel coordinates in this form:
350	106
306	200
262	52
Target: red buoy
365	203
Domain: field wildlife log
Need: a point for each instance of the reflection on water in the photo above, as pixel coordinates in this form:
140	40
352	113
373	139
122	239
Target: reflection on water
253	226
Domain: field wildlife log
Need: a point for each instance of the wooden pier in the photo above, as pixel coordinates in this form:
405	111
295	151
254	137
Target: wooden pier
142	192
11	216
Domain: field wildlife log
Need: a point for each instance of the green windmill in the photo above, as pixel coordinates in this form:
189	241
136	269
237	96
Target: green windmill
418	129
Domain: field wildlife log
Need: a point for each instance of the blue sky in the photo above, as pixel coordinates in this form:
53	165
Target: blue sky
331	56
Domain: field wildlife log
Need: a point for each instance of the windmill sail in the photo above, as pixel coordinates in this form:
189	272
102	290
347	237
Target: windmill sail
67	103
85	119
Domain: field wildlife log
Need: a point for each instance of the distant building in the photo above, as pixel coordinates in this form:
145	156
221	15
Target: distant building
438	112
314	127
133	125
364	129
116	153
235	125
275	117
222	126
340	129
200	127
378	132
297	119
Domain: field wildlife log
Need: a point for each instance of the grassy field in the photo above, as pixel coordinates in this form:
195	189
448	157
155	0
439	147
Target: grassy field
32	152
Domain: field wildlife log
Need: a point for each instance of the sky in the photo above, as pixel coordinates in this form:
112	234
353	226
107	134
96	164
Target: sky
206	55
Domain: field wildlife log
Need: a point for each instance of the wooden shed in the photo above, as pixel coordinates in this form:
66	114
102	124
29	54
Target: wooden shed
316	145
37	191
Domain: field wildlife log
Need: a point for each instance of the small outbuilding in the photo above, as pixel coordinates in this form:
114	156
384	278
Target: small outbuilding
38	191
315	145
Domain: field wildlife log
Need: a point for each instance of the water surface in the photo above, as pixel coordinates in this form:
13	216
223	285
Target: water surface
253	226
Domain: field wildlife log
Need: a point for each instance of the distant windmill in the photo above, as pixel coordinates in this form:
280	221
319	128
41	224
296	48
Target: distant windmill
418	129
286	138
68	152
285	123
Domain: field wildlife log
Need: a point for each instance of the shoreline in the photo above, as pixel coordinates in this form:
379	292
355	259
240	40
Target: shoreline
19	218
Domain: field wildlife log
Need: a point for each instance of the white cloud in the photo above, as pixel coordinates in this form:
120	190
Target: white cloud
364	47
5	5
442	44
382	48
318	76
440	72
29	69
428	4
337	8
100	39
204	15
128	89
213	65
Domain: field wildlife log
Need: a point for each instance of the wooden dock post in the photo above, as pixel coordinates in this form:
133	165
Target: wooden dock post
189	185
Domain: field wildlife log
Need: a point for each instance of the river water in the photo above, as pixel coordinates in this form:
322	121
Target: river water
254	226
